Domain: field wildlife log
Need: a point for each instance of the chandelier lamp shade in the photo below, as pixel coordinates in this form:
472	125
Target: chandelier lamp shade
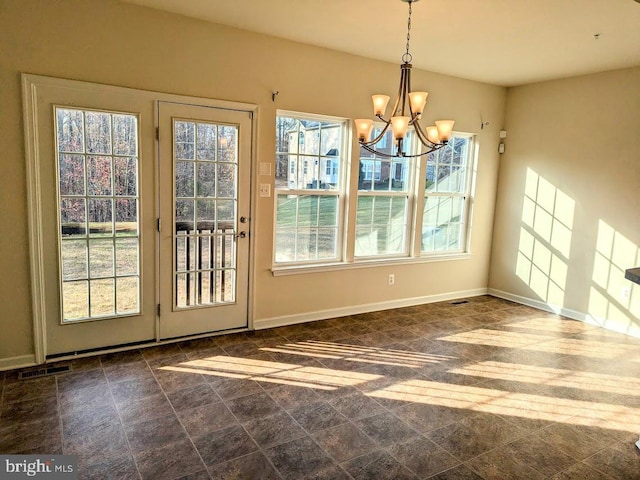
406	112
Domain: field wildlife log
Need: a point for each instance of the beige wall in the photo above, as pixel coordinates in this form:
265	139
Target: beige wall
567	219
105	41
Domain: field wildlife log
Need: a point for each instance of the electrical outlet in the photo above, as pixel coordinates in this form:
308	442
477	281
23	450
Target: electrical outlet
392	279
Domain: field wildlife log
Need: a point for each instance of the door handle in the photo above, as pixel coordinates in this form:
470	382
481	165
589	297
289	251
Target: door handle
242	234
244	219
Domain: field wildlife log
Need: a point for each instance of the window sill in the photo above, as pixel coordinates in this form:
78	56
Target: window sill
278	271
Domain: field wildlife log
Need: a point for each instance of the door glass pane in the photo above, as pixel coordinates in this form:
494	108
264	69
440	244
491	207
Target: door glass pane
205	192
97	157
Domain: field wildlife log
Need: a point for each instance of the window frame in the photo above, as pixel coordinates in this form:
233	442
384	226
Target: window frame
373	166
466	195
340	191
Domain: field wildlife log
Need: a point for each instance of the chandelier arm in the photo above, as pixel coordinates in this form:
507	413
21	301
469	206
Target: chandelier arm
403	88
399	96
379	137
390	155
422	137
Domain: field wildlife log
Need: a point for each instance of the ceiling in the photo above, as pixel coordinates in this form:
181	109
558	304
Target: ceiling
502	42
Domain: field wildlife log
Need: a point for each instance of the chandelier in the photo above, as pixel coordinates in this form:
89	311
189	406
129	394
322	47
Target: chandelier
406	112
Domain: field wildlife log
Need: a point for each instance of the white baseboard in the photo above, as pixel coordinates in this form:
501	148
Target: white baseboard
10	363
565	312
366	308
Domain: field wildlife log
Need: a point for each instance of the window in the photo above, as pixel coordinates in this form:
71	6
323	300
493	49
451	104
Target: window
308	204
447	184
397	215
382	220
97	155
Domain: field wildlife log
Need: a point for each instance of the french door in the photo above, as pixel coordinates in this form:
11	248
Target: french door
205	167
139	215
92	220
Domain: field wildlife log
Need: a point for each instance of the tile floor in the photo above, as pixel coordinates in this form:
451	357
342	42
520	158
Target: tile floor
481	390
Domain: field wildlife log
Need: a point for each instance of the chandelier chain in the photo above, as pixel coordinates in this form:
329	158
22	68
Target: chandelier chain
406	58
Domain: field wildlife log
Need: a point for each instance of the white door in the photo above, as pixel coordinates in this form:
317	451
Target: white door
204	172
92	218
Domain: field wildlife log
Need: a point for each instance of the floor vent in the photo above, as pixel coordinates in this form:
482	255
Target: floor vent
460	302
41	372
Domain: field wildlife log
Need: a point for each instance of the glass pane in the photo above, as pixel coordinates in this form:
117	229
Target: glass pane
186	252
307	211
311	138
399	175
74	259
381	210
100	216
101	258
98	131
99	175
206	214
286	134
184	134
184	215
70	128
125	176
125	135
127	295
283	170
331	139
306	244
328	211
126	216
73	216
286	210
75	300
227	251
327	242
226	213
205	255
381	225
127	256
71	173
185	289
181	253
206	183
227	143
442	224
430	180
206	143
205	293
102	297
226	180
366	241
364	213
185	179
285	245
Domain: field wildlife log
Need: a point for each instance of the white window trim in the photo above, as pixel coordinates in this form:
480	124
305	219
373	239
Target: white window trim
341	192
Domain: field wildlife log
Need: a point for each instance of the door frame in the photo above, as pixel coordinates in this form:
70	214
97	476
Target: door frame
32	85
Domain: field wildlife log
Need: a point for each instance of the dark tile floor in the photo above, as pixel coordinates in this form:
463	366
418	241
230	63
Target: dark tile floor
482	390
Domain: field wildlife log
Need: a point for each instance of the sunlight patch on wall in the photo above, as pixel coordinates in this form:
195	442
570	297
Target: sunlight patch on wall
614	301
545	238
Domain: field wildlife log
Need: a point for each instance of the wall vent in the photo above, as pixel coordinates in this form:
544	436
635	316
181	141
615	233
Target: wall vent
42	372
460	302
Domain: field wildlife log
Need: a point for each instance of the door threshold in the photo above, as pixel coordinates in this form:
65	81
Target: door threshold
58	357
